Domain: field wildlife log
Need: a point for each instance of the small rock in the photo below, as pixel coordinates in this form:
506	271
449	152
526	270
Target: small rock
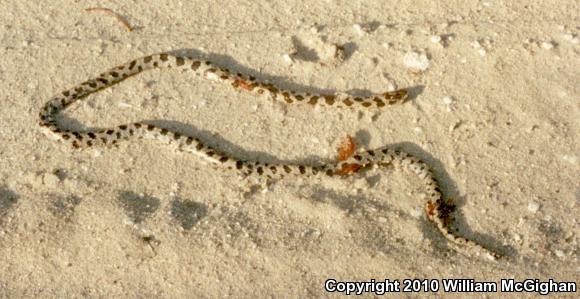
575	40
533	207
436	39
548	45
287	58
211	76
416	213
416	61
124	105
572	38
359	30
339	53
476	44
570	159
447	100
97	153
480	49
449	103
50	179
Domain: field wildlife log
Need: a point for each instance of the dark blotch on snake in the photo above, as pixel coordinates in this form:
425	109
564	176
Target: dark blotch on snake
329	99
313	100
195	65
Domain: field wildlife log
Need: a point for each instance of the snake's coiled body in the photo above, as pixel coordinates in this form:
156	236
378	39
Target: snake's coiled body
438	211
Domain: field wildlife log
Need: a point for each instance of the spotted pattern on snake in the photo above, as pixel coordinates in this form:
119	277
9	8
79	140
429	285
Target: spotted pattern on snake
437	209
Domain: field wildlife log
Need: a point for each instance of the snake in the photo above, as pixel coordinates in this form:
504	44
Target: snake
438	209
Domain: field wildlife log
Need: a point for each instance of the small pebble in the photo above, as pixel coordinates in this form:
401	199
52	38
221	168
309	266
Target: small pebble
124	105
447	100
97	153
548	45
416	213
572	38
480	49
533	207
570	159
476	44
416	61
358	28
211	76
50	179
287	58
436	39
449	103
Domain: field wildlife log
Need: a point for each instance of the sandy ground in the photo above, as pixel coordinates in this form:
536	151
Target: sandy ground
495	110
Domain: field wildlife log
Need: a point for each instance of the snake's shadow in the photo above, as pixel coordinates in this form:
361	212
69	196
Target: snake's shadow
452	196
281	81
447	185
223	145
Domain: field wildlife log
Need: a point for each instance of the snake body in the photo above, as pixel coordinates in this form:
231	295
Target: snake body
437	209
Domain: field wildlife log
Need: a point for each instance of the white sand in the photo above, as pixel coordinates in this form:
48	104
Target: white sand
496	113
